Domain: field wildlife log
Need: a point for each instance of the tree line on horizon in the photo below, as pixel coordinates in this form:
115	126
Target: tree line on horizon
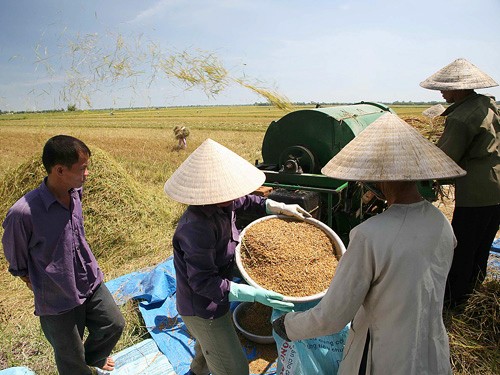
73	107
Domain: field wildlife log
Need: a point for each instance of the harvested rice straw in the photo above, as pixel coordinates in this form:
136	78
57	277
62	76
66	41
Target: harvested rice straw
93	65
272	97
204	70
474	333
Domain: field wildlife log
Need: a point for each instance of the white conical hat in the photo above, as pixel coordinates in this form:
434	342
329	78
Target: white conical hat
459	75
434	111
391	150
213	174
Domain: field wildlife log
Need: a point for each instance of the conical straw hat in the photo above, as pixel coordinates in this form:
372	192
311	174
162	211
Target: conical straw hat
459	75
391	150
213	174
434	111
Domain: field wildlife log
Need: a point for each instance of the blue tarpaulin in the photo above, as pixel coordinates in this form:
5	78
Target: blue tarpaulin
155	289
17	371
494	258
495	246
143	358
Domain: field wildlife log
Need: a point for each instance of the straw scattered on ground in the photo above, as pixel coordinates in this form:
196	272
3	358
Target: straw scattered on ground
474	332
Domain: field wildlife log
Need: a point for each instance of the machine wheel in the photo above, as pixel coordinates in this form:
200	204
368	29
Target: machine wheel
302	155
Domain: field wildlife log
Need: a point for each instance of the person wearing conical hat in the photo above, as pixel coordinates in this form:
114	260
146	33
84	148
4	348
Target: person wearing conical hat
216	184
181	133
390	282
471	137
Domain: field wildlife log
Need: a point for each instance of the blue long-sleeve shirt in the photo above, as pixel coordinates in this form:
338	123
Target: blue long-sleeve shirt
204	245
46	242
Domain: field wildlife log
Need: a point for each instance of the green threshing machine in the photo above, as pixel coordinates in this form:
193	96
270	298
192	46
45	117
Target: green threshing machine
298	145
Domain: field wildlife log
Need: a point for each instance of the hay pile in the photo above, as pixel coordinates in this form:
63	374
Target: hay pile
123	222
474	333
430	128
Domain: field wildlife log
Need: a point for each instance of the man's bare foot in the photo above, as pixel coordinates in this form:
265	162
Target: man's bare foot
109	365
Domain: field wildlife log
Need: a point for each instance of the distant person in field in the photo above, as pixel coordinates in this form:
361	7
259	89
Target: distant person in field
45	246
390	282
216	184
181	133
471	137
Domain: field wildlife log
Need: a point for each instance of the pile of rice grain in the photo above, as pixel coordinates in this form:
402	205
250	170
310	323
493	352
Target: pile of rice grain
294	258
256	319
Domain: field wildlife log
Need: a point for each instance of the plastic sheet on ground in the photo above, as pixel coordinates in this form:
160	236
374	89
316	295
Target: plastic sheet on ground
494	263
155	289
494	258
143	358
17	371
495	246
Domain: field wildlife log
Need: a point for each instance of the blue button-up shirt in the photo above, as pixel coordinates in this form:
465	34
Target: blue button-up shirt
46	242
204	245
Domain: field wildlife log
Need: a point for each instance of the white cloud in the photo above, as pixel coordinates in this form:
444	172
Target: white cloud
154	11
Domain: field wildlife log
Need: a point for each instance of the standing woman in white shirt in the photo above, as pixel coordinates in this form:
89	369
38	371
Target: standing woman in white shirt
390	283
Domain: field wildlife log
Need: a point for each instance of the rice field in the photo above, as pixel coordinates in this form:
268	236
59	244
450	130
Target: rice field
134	152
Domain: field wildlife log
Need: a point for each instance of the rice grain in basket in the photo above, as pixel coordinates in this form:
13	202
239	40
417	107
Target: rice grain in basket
295	258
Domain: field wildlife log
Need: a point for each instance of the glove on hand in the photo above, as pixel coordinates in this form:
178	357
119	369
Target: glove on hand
279	327
248	293
294	210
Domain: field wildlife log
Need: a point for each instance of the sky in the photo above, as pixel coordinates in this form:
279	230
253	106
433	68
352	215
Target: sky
54	53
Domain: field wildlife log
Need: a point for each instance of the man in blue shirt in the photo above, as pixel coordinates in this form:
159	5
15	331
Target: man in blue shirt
44	244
